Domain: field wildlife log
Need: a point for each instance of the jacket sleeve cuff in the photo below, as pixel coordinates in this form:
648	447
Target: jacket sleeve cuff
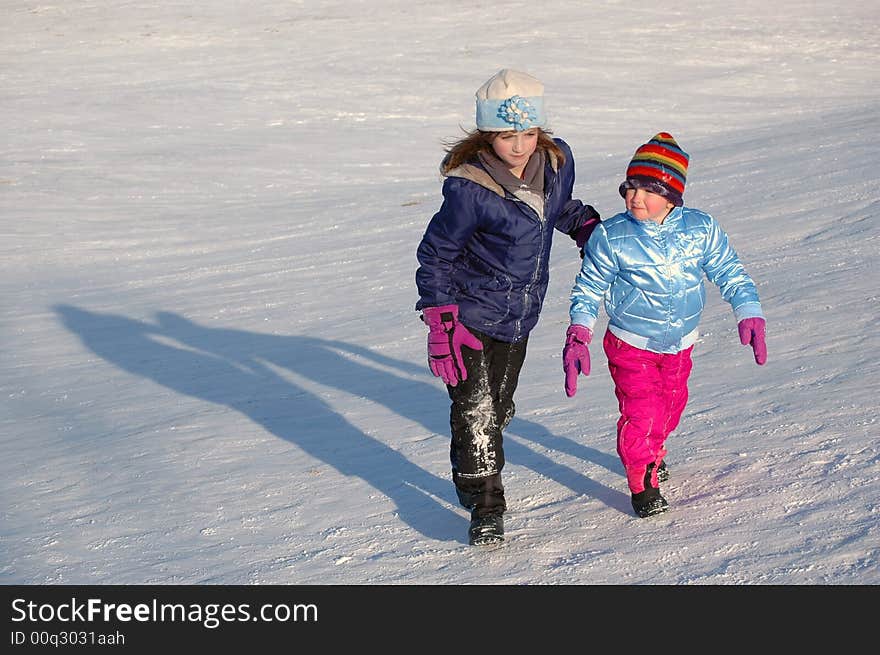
586	320
748	310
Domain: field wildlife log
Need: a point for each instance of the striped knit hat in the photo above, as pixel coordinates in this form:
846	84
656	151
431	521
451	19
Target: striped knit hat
659	166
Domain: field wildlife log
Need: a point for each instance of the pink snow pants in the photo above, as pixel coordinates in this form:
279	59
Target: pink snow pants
651	390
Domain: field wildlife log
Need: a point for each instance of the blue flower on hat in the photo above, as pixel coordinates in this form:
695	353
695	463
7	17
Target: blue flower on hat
518	111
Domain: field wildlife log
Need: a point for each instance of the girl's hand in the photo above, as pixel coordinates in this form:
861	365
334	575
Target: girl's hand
576	356
751	332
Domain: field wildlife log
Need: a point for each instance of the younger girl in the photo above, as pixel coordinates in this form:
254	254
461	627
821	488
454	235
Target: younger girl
648	264
483	273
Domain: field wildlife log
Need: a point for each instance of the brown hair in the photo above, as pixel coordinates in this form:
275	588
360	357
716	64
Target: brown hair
473	143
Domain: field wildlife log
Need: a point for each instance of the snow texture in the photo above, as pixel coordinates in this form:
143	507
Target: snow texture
212	371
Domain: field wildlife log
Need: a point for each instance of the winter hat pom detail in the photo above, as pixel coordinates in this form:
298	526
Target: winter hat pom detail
659	166
510	100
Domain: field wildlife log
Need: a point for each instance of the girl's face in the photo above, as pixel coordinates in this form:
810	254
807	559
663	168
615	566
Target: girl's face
515	148
646	206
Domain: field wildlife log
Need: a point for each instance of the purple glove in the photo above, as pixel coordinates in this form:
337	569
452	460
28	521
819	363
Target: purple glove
582	235
591	220
576	356
751	332
446	336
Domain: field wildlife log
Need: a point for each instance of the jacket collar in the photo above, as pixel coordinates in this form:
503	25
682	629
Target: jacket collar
673	217
475	172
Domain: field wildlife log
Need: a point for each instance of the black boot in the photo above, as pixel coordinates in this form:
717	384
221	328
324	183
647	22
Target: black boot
484	496
662	472
486	530
486	493
649	502
467	499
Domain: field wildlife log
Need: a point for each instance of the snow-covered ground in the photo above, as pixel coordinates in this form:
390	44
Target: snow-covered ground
211	369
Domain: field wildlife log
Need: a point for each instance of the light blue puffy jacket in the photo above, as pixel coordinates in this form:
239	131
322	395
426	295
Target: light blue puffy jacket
651	277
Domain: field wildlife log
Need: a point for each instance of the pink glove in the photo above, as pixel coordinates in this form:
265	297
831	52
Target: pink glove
446	336
751	332
576	356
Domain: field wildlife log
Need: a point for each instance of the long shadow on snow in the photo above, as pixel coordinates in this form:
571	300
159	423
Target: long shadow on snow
235	368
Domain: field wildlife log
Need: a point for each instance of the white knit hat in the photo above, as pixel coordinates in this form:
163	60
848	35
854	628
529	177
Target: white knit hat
510	100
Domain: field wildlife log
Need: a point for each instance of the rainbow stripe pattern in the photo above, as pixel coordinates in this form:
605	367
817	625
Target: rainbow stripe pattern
661	160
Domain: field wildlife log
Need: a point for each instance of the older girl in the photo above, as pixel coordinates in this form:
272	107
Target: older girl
483	273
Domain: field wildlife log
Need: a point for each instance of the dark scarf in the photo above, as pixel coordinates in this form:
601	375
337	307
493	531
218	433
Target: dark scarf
533	174
529	189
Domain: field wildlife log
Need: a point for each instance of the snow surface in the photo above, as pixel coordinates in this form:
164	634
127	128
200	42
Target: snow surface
212	372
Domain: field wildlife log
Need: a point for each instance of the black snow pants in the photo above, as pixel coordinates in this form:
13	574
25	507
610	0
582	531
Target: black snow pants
482	406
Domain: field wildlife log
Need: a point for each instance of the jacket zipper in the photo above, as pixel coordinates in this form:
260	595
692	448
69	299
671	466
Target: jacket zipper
527	299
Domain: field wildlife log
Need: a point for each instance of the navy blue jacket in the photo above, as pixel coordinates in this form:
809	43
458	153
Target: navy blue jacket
488	252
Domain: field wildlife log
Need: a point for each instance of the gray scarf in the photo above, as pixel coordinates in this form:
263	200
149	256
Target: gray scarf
529	189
